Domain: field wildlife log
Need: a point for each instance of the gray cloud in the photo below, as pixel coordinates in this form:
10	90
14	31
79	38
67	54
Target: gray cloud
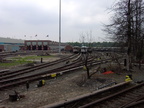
29	17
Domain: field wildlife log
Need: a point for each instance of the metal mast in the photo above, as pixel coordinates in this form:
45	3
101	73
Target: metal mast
59	26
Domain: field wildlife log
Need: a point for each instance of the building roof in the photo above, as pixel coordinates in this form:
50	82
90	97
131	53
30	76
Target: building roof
38	41
9	40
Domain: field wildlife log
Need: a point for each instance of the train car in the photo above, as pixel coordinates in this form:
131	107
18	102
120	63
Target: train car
84	49
76	49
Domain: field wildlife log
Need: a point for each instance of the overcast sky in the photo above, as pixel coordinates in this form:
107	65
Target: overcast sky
24	19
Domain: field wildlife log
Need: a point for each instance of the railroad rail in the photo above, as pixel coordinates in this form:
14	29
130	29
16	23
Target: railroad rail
5	75
77	101
122	95
126	98
77	64
17	78
11	78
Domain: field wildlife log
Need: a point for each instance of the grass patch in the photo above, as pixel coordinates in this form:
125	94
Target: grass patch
14	63
20	60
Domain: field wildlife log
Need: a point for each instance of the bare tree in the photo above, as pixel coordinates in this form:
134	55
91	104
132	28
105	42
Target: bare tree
86	38
127	27
89	38
83	37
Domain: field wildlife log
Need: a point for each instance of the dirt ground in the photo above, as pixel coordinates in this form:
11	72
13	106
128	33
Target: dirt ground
64	87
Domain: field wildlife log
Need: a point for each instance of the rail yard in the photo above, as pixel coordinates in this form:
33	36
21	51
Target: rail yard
67	83
72	54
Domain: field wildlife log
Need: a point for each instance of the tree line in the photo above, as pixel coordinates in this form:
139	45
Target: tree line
95	44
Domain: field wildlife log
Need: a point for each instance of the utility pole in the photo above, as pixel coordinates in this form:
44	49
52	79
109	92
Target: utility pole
59	26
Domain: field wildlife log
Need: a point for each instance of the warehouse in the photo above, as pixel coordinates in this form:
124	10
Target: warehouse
8	44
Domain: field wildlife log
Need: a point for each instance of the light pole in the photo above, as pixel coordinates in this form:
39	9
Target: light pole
59	26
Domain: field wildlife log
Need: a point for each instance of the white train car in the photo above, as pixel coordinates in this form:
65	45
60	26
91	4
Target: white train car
76	49
84	49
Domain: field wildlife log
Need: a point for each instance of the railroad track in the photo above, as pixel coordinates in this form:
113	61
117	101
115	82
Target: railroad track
15	53
8	79
127	98
11	80
10	74
120	95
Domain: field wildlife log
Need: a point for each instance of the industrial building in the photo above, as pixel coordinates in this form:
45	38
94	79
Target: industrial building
8	44
44	45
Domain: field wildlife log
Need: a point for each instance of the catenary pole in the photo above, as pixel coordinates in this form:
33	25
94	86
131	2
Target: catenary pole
59	26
